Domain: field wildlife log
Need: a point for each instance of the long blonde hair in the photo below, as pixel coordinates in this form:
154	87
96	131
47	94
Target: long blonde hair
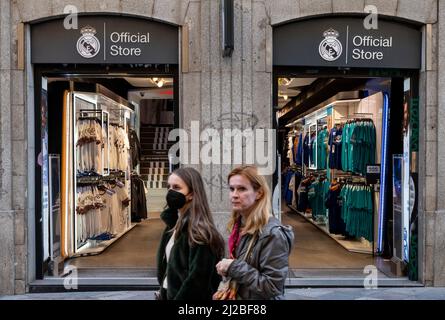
261	210
201	228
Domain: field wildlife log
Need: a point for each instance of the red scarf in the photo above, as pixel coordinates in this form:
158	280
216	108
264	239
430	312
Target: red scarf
234	238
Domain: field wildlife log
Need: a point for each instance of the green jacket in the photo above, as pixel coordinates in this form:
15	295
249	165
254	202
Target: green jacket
191	271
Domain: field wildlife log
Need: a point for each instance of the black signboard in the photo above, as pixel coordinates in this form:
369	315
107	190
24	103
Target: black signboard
105	40
373	174
345	42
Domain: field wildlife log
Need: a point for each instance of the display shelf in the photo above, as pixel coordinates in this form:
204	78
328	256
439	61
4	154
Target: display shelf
86	250
355	246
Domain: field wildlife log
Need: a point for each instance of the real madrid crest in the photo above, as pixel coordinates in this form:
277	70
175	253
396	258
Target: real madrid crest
88	45
330	48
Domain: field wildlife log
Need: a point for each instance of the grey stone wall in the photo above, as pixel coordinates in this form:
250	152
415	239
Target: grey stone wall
438	230
13	260
223	92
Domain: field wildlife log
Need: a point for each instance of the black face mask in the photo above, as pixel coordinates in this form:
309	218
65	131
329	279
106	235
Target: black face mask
175	200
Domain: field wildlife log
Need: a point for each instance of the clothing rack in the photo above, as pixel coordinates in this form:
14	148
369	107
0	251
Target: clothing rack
89	180
358	115
90	118
114	124
85	111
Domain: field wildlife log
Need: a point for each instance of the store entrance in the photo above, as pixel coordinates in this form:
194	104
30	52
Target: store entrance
340	133
102	141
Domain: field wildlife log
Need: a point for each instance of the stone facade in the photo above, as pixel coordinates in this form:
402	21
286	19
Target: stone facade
212	88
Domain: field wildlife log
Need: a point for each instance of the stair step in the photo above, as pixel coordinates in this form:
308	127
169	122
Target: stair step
150	134
156	146
150	162
153	177
155	164
146	125
155	130
146	169
155	185
148	177
156	153
152	139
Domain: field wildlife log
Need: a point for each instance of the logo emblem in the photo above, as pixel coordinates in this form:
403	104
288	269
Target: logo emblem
88	45
330	48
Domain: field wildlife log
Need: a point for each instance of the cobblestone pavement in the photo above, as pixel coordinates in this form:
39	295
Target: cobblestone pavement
291	294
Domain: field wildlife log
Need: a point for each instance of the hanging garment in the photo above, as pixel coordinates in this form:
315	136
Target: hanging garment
138	200
290	154
306	150
312	149
299	153
357	211
363	141
89	146
334	205
303	200
135	147
322	147
297	176
317	194
359	144
335	148
287	190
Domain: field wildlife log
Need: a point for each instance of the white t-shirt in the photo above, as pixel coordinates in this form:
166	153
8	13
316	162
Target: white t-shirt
168	249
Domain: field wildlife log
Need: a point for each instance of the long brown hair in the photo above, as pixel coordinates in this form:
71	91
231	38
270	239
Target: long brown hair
261	210
201	228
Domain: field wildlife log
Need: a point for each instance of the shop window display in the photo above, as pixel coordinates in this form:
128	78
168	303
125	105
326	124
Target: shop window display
96	153
329	150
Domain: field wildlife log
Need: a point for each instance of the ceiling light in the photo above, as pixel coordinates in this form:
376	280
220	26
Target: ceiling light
284	81
285	97
160	83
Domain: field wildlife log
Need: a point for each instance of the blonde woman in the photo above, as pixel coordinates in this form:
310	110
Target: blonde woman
262	274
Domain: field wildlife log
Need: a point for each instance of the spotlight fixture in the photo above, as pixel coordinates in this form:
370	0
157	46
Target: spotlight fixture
159	82
284	81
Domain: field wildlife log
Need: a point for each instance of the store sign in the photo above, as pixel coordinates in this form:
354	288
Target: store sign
344	42
373	174
105	39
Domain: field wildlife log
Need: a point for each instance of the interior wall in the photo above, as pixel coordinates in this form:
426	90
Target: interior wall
374	105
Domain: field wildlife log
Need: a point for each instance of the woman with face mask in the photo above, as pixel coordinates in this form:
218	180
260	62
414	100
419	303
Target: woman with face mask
190	245
259	246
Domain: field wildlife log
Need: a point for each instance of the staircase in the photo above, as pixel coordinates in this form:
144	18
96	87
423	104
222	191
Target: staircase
154	166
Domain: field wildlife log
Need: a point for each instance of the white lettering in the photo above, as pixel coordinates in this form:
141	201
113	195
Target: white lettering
372	279
370	41
70	21
255	147
358	44
127	37
113	37
121	51
356	54
366	55
189	310
372	20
